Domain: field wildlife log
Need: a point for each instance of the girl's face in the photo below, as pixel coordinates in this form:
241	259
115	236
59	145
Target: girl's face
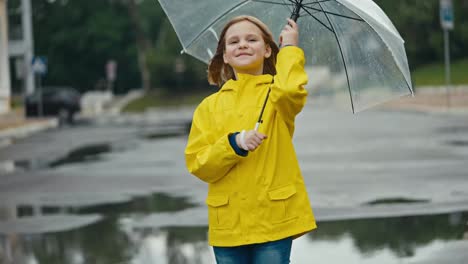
245	48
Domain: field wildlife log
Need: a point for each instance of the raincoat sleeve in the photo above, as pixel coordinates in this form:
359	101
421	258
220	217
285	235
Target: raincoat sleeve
288	93
207	155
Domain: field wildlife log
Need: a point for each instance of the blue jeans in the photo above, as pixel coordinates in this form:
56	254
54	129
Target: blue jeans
275	252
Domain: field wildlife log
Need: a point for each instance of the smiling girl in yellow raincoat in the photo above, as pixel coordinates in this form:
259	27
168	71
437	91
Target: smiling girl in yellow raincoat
257	200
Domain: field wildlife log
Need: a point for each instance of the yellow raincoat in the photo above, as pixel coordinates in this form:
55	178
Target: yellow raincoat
260	197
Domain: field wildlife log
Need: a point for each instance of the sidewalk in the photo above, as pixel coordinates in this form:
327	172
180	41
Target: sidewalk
434	100
14	125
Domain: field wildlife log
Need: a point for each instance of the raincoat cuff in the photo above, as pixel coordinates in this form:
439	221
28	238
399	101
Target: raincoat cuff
287	45
237	149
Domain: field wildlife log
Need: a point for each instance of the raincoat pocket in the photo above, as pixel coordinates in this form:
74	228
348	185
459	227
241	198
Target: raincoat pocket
219	216
280	203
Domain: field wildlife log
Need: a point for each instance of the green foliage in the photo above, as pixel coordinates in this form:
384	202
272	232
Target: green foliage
79	37
157	99
164	58
141	104
419	24
434	74
17	102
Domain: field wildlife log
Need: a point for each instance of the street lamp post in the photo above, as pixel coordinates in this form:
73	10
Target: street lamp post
447	23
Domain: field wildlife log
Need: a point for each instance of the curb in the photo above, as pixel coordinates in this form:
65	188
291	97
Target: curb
28	129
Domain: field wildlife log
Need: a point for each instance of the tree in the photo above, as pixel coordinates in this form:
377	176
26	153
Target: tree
419	24
142	42
79	37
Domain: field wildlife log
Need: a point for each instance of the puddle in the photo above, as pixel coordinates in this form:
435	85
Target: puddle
458	143
33	164
401	236
89	153
115	239
159	202
453	130
11	166
163	132
396	201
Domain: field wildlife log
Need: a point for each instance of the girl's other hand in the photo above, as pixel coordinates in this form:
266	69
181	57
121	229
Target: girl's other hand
290	34
252	139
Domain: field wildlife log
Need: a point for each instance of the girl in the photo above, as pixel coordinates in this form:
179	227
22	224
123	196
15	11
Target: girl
257	200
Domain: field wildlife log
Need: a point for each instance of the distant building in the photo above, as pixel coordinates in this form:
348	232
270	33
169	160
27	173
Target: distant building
16	43
5	84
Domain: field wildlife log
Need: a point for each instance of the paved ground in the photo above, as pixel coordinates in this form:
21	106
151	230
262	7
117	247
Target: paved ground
348	161
14	125
425	100
435	100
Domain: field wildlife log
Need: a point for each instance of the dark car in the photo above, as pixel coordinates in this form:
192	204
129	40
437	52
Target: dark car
62	102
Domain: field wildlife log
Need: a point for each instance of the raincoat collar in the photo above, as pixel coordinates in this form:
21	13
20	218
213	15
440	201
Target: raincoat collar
243	79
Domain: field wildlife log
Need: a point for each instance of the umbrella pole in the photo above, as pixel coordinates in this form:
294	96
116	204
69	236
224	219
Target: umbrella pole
263	109
294	16
297	8
342	57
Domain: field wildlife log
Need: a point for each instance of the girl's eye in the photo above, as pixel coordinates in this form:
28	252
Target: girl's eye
233	42
252	40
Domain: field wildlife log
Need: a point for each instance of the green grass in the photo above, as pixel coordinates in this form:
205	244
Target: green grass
434	74
16	102
428	75
155	99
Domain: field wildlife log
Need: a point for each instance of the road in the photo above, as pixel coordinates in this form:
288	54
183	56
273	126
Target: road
348	161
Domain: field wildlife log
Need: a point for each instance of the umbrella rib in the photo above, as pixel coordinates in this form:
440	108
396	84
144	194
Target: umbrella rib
273	3
276	3
331	13
214	21
360	19
316	2
318	20
290	9
342	57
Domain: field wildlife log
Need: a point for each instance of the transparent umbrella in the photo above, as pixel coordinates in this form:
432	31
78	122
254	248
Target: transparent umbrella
353	50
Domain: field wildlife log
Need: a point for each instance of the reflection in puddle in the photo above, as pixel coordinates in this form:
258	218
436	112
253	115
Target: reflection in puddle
458	143
84	154
116	239
402	235
156	203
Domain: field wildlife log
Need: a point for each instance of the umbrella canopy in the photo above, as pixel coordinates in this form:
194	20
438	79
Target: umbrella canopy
351	46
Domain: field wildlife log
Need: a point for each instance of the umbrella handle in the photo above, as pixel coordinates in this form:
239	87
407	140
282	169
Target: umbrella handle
260	120
257	125
295	16
297	8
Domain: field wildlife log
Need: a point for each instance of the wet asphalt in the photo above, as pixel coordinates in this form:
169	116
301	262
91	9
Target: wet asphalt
377	164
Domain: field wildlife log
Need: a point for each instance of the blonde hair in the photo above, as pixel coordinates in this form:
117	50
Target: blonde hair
220	72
